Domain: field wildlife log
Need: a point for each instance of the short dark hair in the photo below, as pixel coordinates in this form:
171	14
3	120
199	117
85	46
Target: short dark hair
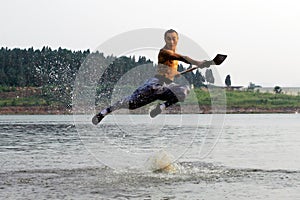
170	31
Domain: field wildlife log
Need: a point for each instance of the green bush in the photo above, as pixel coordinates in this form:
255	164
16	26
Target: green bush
7	88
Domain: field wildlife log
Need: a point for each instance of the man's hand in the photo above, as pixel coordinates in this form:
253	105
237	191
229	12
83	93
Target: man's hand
207	63
204	64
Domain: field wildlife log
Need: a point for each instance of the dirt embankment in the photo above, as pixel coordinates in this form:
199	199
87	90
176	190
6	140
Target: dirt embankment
33	110
46	110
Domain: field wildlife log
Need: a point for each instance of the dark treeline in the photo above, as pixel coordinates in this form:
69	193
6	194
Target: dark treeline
29	67
55	70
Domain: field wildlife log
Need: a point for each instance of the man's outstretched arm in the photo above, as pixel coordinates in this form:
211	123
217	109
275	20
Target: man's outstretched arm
175	56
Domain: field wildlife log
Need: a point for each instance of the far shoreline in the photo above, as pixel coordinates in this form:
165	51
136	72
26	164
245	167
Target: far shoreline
50	110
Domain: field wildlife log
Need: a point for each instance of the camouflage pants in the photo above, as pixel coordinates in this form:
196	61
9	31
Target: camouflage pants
152	90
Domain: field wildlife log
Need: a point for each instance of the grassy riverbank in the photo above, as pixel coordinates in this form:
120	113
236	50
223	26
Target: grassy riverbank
252	99
31	100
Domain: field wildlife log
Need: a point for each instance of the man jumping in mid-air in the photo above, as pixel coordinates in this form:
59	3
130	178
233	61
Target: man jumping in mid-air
161	86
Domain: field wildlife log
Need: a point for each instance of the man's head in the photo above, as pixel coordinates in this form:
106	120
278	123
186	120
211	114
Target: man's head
171	39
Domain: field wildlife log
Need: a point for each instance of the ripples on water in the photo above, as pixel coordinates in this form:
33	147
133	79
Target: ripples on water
43	157
194	181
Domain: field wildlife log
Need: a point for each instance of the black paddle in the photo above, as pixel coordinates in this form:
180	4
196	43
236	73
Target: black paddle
216	61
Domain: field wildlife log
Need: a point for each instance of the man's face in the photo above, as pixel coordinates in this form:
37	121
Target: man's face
171	40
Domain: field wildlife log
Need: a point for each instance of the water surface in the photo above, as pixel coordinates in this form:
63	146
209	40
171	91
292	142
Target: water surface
256	157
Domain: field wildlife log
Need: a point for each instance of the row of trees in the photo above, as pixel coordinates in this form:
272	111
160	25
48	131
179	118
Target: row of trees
29	67
55	70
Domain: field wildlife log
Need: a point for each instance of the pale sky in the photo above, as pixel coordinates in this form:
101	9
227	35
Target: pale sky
261	38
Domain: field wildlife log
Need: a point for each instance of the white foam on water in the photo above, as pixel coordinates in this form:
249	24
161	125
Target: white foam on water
162	161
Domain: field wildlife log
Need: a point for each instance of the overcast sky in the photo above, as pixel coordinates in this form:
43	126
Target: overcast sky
261	38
